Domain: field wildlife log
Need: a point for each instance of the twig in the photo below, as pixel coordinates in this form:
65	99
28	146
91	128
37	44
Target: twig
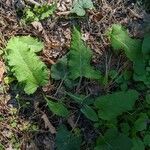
33	2
60	85
79	84
63	13
76	122
134	14
48	123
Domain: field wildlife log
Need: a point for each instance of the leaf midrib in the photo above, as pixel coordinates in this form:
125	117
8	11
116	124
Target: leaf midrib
28	66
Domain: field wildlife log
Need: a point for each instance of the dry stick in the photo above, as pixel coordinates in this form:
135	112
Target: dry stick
79	114
134	14
54	98
3	135
2	40
76	122
106	67
63	13
108	62
118	63
48	60
119	1
60	85
79	84
48	124
33	2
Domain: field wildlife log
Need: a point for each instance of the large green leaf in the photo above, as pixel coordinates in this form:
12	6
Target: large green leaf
113	140
134	50
79	6
25	64
112	105
66	140
120	40
80	58
31	43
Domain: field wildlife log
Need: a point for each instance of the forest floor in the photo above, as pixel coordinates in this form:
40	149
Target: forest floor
26	123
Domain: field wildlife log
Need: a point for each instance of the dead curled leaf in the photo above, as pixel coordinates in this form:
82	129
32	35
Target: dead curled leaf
48	123
2	70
